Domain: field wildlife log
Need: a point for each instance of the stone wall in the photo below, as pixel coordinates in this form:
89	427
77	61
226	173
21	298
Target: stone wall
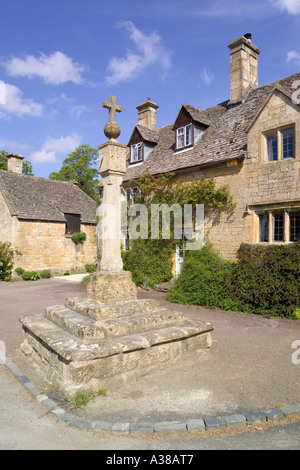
226	231
273	185
42	245
5	222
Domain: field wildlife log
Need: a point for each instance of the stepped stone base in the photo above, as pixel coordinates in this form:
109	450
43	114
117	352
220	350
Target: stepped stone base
87	344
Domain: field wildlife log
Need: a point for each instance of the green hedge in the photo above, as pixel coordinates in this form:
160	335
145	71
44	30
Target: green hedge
149	262
264	280
203	281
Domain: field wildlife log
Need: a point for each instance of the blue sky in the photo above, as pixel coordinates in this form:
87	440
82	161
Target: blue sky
59	60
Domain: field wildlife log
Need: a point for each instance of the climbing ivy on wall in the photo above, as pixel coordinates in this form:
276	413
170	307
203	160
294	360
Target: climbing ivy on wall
167	189
150	260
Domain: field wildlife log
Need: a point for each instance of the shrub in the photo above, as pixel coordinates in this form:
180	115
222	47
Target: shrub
45	274
91	268
149	262
67	272
203	281
6	258
79	238
19	271
30	276
266	279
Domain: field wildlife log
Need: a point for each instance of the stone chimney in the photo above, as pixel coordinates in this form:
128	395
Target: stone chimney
15	163
147	114
243	67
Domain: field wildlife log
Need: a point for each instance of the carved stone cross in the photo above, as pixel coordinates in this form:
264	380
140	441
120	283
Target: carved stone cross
113	108
112	168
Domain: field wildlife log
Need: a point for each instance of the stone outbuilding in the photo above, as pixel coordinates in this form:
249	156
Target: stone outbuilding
39	216
250	142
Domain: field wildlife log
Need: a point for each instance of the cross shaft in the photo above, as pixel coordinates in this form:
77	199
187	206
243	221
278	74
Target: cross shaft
113	108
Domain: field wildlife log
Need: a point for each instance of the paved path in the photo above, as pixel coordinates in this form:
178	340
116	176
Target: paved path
249	367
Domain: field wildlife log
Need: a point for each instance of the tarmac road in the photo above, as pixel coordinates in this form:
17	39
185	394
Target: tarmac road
248	367
24	426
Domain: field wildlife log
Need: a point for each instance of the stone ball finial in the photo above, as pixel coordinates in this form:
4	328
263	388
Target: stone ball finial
112	130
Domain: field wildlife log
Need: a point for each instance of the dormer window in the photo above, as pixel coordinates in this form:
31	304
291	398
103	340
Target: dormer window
137	153
184	136
189	127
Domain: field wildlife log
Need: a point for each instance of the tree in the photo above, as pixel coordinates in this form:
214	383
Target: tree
27	166
78	166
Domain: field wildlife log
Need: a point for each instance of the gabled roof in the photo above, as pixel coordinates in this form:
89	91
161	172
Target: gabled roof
146	134
225	138
35	198
195	114
277	88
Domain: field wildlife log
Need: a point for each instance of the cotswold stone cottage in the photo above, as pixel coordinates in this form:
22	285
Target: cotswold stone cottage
38	216
250	142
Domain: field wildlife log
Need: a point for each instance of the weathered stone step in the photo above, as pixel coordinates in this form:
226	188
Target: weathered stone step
76	324
71	348
142	323
100	311
89	330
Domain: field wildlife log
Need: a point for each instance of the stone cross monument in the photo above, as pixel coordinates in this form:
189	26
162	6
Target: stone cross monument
111	284
112	167
110	336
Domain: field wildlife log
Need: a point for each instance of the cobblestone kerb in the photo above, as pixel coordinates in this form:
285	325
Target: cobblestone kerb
197	425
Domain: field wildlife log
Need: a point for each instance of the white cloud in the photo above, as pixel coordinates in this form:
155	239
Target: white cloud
2	92
207	76
54	69
75	110
12	145
54	146
17	105
149	50
293	56
291	6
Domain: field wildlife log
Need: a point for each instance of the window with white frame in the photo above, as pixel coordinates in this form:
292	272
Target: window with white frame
184	136
281	144
136	153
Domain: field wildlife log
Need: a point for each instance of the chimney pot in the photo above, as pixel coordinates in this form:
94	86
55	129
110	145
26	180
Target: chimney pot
147	114
15	163
243	67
